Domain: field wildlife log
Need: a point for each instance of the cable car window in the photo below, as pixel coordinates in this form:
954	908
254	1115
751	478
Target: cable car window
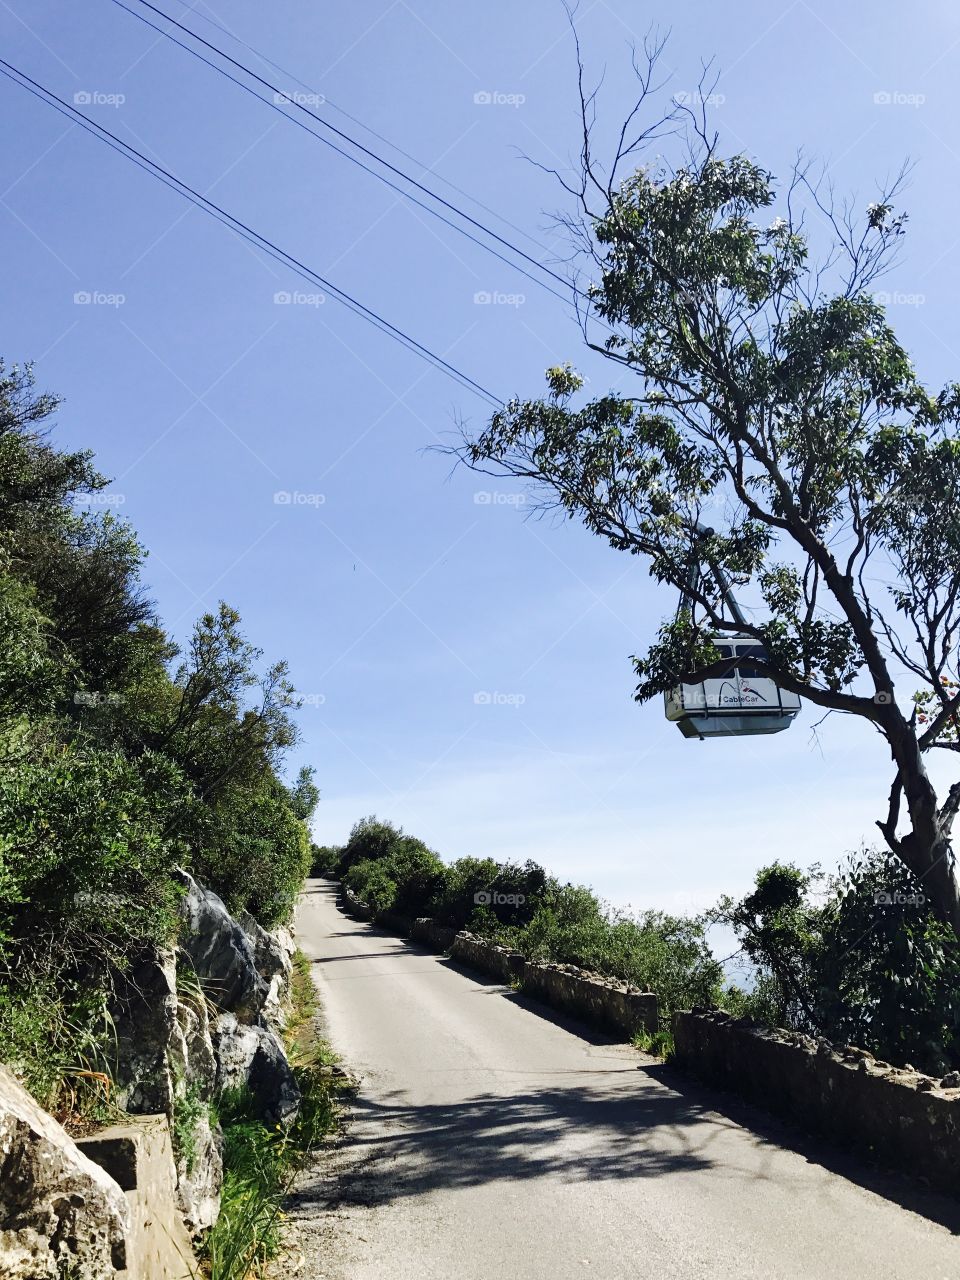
746	667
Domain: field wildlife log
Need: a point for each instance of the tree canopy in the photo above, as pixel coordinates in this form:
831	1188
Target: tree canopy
776	434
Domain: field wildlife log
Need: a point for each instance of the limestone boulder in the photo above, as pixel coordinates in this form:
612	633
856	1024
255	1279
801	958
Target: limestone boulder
250	1055
221	953
149	1041
165	1063
273	956
59	1212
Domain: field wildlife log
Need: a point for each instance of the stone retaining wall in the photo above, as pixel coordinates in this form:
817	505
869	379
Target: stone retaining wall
501	962
603	1002
394	922
358	909
902	1118
438	936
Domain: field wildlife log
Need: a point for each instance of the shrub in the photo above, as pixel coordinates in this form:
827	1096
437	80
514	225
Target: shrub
369	840
869	964
84	857
258	853
405	879
373	884
324	859
549	921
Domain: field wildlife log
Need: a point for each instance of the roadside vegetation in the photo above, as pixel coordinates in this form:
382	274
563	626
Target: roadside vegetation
261	1162
858	957
529	910
123	757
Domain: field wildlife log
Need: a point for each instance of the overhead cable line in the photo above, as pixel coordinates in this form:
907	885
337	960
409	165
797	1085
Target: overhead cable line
241	229
327	101
340	133
278	107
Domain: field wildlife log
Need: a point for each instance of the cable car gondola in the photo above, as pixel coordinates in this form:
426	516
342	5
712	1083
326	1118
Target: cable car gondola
740	701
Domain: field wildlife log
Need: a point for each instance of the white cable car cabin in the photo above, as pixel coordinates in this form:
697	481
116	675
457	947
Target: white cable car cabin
737	703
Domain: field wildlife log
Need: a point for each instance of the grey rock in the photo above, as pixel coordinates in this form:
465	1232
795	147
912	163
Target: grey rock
200	1171
273	956
165	1056
221	953
200	1180
144	1011
251	1055
57	1208
951	1080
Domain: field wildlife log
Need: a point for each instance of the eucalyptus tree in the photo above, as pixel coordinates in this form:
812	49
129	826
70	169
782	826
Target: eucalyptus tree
768	426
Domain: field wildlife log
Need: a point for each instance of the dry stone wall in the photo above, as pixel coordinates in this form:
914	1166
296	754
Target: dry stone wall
900	1117
603	1002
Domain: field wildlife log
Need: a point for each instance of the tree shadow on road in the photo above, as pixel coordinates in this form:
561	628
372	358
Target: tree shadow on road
621	1126
396	1148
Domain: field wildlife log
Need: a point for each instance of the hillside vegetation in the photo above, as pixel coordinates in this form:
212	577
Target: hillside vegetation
123	757
856	957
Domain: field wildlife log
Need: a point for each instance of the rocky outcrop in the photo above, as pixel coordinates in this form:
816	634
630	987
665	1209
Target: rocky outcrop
221	953
899	1116
165	1063
148	1044
206	1017
59	1212
251	1055
273	956
244	972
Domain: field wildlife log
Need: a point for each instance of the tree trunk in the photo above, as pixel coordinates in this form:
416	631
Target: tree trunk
926	849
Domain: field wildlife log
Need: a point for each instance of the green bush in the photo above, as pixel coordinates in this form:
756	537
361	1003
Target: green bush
324	859
868	963
258	854
549	921
405	878
369	840
84	857
118	765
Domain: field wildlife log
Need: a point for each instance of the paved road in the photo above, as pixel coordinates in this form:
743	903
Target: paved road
488	1140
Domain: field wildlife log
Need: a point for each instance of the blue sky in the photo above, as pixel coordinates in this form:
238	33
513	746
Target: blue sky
398	590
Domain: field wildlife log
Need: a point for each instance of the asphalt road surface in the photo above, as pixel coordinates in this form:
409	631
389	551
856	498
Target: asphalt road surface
491	1139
